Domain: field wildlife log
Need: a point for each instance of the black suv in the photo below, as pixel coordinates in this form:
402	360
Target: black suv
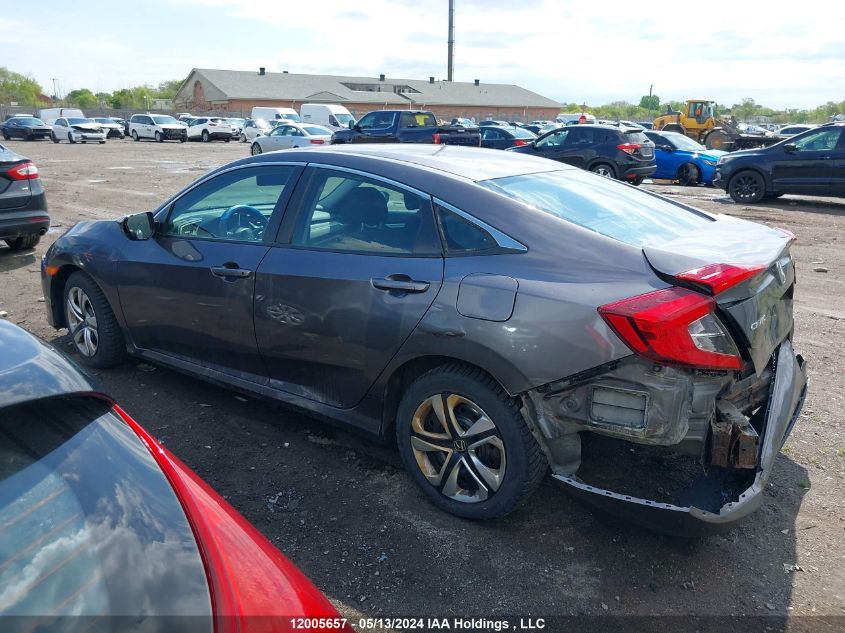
811	163
617	152
23	206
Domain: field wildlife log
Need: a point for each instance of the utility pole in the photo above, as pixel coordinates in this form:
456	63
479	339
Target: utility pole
55	89
451	61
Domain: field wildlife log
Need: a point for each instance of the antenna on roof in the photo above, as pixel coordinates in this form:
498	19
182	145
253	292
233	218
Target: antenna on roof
451	60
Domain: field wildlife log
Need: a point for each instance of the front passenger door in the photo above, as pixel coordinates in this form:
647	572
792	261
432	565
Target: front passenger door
187	294
553	146
809	167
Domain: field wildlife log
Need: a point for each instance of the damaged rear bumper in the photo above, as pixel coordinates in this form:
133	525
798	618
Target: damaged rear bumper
740	492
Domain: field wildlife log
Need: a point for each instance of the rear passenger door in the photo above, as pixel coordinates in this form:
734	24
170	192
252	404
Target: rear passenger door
579	146
357	265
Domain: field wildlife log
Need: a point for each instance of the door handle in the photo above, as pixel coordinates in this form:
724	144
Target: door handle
230	270
402	283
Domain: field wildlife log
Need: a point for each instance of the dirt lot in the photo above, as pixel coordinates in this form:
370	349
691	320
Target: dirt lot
342	509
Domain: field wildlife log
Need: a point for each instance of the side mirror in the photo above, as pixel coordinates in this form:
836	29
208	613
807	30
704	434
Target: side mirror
354	126
790	147
666	148
140	226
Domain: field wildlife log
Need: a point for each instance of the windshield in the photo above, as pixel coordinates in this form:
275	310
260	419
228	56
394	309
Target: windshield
602	205
83	502
289	117
519	132
78	121
109	121
30	120
165	120
344	119
685	142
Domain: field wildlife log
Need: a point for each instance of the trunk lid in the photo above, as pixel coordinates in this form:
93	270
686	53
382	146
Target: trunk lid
758	309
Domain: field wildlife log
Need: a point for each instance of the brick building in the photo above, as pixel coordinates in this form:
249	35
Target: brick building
238	92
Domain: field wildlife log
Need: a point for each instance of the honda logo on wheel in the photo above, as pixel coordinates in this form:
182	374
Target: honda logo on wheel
460	446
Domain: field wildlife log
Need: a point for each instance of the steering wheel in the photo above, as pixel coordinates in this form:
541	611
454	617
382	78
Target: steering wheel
243	222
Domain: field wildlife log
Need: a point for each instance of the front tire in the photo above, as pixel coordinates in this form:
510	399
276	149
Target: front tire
135	136
688	175
464	441
255	150
747	187
159	138
91	323
70	138
23	242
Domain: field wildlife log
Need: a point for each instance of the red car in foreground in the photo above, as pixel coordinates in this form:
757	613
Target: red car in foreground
103	529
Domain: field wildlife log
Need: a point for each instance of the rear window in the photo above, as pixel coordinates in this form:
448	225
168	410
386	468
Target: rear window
519	132
316	130
636	136
602	205
90	525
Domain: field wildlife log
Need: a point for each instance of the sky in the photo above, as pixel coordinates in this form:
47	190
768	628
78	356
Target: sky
571	51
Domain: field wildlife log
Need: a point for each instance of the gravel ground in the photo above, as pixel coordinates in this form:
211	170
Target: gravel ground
342	509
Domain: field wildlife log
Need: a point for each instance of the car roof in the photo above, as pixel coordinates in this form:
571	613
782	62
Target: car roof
472	163
32	370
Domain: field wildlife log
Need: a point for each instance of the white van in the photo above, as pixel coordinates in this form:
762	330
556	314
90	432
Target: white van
269	114
327	114
48	115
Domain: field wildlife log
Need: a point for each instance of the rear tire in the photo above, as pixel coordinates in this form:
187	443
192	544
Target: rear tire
243	138
255	150
23	242
206	137
484	462
674	127
718	139
637	181
747	187
688	175
603	169
91	323
6	137
53	137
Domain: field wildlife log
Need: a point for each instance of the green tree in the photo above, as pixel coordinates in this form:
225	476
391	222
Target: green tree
746	109
168	89
82	97
16	87
650	102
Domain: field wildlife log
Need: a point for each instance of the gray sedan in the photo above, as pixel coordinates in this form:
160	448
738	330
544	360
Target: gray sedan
290	135
499	315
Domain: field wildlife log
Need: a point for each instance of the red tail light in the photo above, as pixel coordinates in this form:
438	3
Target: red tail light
673	326
719	277
24	171
629	148
436	138
518	142
247	576
317	141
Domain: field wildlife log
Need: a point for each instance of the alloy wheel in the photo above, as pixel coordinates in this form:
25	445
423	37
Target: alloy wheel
82	322
746	187
255	150
458	448
603	170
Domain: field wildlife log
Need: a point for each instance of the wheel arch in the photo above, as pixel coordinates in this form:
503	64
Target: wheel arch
405	374
767	183
57	293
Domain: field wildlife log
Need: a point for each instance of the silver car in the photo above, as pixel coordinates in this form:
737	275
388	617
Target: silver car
288	135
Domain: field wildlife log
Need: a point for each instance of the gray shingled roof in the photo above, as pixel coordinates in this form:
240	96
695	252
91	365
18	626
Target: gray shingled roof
236	84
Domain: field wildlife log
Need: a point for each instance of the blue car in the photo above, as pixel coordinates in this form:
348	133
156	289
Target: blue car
680	158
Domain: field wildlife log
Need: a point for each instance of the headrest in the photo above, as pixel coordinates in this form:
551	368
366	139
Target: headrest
364	205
